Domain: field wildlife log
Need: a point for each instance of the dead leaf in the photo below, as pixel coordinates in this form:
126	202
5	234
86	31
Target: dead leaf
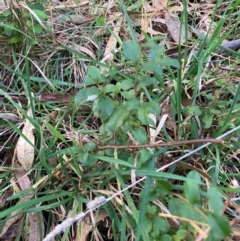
12	232
24	150
87	226
146	19
174	26
159	4
152	129
24	182
170	124
112	42
36	227
13	217
4	197
83	50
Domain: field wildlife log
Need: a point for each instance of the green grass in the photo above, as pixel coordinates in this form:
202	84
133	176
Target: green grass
77	141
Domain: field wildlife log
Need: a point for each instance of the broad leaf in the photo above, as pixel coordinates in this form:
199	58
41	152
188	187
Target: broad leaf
117	119
215	200
191	188
220	227
140	135
106	107
132	51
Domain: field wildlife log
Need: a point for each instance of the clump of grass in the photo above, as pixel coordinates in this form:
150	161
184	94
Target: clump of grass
100	127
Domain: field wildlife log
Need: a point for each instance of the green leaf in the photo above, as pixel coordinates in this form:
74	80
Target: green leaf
117	119
166	61
147	223
132	51
165	237
115	161
29	23
92	93
144	155
87	159
163	187
81	96
37	28
94	76
106	107
151	209
55	132
192	110
9	28
153	107
90	146
215	200
129	95
146	81
41	14
207	119
132	104
109	88
140	135
100	21
156	52
153	67
191	188
155	232
216	112
7	13
220	227
143	116
86	94
180	208
127	84
161	224
181	233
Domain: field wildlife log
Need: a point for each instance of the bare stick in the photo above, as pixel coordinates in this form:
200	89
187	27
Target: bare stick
174	143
